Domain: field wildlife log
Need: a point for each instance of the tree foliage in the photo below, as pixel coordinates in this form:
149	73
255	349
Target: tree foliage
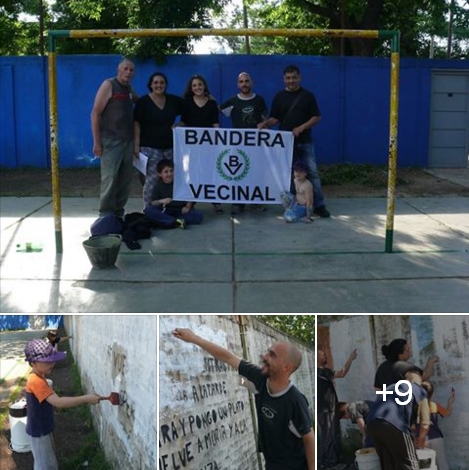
423	25
300	327
116	14
419	21
18	36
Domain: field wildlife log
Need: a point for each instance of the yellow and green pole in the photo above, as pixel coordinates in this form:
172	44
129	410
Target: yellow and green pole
392	159
54	144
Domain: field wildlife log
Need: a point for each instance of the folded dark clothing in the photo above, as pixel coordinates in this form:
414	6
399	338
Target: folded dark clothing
132	244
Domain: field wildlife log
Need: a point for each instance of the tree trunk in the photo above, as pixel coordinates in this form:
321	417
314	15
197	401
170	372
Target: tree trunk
369	21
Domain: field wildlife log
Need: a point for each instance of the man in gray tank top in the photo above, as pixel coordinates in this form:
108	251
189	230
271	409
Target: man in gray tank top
112	128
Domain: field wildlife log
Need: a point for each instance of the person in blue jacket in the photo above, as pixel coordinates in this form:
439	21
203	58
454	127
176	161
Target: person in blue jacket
390	420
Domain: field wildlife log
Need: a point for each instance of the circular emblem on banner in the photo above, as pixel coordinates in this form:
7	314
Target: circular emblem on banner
233	167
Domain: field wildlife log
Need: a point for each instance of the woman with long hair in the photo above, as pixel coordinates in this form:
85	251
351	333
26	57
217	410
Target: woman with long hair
200	110
154	118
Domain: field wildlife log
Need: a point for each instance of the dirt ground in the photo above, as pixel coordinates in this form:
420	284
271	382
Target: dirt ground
71	429
84	182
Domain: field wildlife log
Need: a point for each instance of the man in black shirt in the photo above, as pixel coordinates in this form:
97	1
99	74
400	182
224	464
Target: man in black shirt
285	435
246	110
328	421
295	109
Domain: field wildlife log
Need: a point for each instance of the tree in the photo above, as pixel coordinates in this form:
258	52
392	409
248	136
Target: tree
425	25
279	15
19	37
417	20
134	14
458	30
300	327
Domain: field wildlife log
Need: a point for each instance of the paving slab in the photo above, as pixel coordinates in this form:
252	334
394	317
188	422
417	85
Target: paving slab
252	262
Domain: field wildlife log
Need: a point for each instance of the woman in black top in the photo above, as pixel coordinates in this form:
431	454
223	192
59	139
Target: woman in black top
200	110
154	118
394	368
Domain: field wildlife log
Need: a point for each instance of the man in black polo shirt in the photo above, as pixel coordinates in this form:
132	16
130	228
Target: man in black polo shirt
286	437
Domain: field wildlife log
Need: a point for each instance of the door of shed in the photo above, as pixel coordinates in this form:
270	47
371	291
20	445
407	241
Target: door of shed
449	120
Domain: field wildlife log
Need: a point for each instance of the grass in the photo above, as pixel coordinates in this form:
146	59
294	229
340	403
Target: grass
361	174
5	412
89	450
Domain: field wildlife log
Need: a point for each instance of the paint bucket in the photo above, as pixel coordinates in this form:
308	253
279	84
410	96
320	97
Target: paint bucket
20	441
102	250
426	459
367	459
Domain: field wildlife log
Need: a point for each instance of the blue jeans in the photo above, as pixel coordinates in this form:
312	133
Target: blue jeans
167	218
293	210
305	153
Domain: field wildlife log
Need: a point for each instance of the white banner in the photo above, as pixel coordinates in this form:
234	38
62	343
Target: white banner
231	165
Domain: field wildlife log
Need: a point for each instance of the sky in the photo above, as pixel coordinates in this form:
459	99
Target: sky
208	44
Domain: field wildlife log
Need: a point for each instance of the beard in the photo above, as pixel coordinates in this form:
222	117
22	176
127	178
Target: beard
265	370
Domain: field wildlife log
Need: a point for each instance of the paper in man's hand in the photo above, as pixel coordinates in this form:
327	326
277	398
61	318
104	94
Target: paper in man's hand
141	163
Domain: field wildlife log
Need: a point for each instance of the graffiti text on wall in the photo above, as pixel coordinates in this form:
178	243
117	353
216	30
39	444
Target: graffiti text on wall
200	432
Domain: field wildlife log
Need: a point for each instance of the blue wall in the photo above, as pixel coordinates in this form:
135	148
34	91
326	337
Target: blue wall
353	95
24	322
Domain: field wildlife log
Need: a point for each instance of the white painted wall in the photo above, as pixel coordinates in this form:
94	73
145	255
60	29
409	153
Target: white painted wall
213	430
445	336
118	354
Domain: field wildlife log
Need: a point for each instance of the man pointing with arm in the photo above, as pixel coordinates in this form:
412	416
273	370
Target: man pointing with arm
285	435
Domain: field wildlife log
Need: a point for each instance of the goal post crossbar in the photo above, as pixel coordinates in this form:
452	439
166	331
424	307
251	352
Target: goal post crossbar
183	32
392	35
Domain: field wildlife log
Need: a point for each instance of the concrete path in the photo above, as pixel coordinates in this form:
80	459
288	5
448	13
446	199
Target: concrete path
13	367
251	263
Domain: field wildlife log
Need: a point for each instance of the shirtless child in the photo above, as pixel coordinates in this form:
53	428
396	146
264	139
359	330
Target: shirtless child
299	207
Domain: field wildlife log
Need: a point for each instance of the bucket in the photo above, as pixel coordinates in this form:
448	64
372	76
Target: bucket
367	459
102	250
20	441
426	459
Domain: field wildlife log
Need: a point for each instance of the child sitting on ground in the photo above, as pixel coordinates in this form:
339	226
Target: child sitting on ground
163	209
41	400
299	206
435	436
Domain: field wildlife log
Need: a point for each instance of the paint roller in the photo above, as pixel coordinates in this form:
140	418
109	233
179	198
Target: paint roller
113	398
